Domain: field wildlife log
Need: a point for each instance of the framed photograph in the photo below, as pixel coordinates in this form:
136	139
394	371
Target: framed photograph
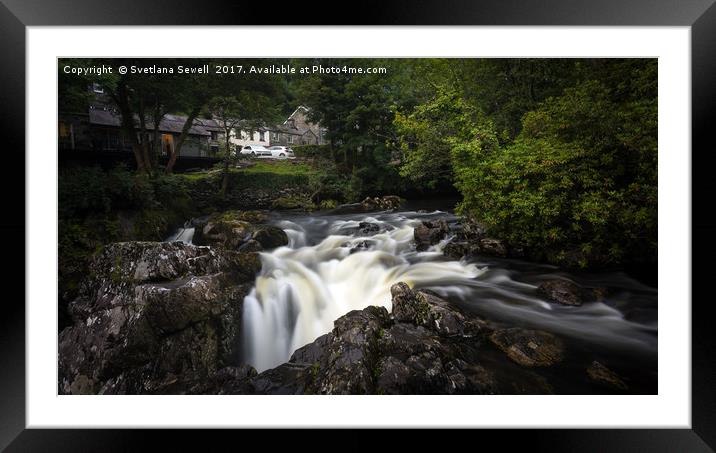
481	221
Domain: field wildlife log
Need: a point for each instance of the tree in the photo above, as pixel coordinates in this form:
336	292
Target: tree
226	110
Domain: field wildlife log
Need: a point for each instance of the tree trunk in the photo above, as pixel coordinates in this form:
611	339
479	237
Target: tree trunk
121	98
145	138
175	152
157	116
227	157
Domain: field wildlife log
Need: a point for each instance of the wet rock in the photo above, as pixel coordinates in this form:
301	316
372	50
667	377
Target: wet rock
251	246
270	236
457	250
423	308
600	374
430	232
360	246
154	318
226	233
233	229
409	306
388	202
492	247
285	379
529	347
561	291
368	228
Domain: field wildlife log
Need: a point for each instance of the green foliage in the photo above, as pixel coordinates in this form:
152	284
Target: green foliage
578	186
426	134
313	151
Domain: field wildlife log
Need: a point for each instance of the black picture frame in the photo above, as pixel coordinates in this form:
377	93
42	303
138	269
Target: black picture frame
700	15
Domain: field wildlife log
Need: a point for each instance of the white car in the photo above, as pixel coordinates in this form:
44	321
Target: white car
255	151
281	152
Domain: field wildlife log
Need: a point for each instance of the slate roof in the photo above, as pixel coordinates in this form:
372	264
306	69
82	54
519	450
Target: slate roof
170	123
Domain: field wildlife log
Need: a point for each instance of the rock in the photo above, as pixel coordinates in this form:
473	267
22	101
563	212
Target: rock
561	291
430	232
223	232
360	246
270	236
154	317
423	308
286	379
386	203
368	228
493	247
529	347
456	250
367	352
600	374
232	229
251	246
390	202
409	306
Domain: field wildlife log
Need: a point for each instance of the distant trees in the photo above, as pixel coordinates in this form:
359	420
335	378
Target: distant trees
574	182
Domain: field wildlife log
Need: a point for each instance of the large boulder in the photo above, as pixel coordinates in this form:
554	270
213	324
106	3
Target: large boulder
529	348
233	229
561	291
430	232
270	236
492	247
153	317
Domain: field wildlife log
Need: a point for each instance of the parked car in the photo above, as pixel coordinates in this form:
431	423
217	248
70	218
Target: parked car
255	151
282	152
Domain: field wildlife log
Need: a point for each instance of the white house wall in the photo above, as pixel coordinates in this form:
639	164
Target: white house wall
245	139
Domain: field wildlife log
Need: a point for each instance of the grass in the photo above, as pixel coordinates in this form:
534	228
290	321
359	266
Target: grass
279	167
273	167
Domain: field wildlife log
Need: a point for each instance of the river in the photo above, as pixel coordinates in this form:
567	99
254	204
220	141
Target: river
328	269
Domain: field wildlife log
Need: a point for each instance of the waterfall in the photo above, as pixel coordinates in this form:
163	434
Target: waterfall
184	234
303	288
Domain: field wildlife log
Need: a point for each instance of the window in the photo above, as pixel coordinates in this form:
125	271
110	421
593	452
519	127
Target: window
275	136
252	136
289	138
214	135
262	136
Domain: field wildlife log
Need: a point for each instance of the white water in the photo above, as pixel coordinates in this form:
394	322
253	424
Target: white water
302	289
305	286
185	234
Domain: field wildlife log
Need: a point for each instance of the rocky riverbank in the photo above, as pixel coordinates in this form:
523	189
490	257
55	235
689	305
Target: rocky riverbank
165	318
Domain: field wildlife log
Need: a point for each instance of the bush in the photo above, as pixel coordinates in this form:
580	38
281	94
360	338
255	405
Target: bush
579	184
312	151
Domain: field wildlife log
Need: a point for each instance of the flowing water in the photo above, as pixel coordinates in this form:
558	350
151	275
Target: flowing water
184	234
328	269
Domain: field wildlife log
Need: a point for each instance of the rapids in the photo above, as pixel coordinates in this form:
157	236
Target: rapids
329	269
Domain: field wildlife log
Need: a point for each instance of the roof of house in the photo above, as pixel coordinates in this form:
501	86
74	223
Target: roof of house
300	107
170	123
